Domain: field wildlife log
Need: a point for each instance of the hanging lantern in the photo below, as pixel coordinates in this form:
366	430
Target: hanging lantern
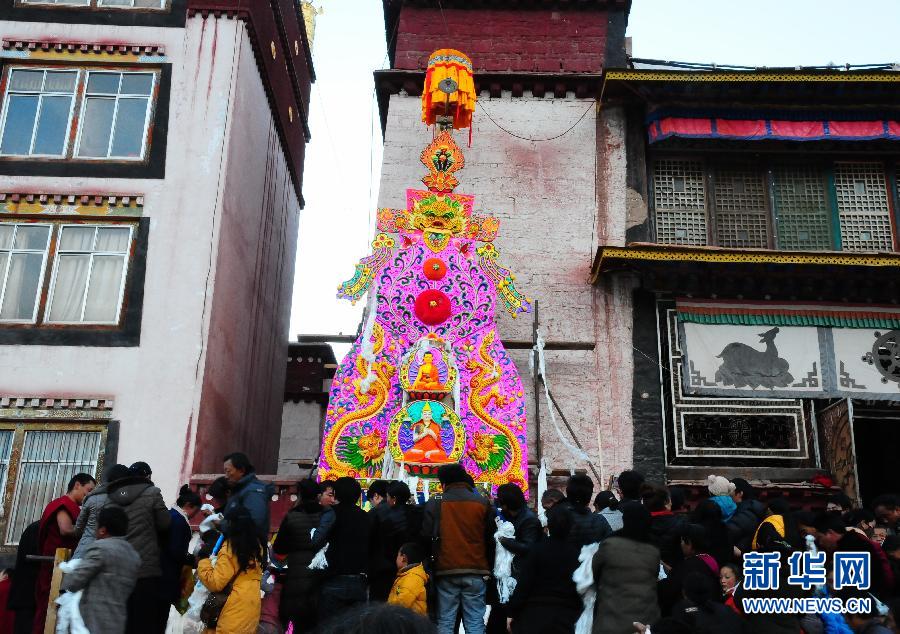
449	94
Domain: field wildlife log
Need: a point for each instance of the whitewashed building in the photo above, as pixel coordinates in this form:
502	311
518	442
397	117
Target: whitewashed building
151	158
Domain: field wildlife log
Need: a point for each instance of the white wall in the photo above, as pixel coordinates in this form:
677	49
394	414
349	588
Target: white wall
156	386
300	439
552	214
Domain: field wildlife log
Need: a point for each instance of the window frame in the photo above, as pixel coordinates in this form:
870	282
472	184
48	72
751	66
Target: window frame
19	429
54	272
94	5
42	277
75	122
49	273
766	164
7	92
714	212
145	137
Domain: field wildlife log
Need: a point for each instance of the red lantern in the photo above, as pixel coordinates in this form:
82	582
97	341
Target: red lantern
432	307
434	269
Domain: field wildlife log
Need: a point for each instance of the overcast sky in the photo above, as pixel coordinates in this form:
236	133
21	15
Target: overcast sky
343	161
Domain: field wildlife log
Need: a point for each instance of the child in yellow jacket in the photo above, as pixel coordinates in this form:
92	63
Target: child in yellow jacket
409	587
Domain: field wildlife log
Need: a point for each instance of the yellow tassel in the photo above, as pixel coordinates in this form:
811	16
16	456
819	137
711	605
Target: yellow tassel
448	63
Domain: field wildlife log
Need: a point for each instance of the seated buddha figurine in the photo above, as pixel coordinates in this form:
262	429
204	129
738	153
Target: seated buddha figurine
428	377
426	434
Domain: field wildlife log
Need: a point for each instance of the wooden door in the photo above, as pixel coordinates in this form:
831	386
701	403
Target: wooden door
838	447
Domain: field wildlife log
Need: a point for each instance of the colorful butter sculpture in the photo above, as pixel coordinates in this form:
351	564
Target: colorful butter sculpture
429	380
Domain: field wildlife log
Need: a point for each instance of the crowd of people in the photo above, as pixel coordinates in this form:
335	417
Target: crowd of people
345	560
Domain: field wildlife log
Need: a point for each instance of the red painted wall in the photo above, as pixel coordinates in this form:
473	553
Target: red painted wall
505	40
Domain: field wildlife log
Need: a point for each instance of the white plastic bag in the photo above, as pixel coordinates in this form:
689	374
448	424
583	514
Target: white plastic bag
68	616
175	624
506	583
584	583
196	601
319	562
210	522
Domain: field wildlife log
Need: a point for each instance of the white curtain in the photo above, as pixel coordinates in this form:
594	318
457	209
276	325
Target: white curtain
68	291
101	303
6	234
103	294
21	286
77	238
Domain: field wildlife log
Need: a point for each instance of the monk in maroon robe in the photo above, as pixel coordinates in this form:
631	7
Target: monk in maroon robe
57	530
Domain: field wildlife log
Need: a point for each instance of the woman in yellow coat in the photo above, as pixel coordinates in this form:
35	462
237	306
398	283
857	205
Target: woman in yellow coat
241	559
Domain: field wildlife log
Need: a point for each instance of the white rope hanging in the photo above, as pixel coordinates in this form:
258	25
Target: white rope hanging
577	453
541	489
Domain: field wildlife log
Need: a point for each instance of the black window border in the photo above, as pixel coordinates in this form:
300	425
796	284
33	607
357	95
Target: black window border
126	334
174	16
152	167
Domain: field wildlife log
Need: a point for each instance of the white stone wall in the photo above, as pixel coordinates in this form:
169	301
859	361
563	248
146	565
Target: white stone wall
300	436
156	386
555	207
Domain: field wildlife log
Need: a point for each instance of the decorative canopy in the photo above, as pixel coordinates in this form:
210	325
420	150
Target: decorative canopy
448	97
762	127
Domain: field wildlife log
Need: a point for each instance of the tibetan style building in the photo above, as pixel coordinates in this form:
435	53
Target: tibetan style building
760	241
310	370
151	162
540	161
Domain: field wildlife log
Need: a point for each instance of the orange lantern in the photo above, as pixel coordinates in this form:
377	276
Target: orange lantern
449	90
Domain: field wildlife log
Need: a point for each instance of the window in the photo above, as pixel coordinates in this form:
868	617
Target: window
6	445
862	202
43	461
74	3
87	278
23	254
114	113
804	216
741	212
38	112
105	4
133	4
680	200
89	274
840	205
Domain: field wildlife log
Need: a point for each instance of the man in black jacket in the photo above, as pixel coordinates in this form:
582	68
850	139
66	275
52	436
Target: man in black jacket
247	491
587	527
148	520
348	538
174	551
630	483
394	523
511	502
750	512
